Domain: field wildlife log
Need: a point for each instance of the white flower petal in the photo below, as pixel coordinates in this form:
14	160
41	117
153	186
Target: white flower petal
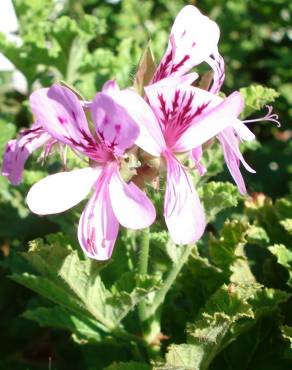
61	191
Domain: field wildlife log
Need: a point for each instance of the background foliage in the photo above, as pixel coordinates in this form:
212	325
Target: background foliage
231	304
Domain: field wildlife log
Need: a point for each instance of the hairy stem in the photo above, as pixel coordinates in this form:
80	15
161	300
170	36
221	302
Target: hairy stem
160	295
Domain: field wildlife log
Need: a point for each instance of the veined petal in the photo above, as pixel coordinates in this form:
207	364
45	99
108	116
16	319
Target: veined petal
210	124
173	81
183	212
242	130
193	38
60	113
98	227
17	151
216	62
233	163
150	136
196	155
232	142
177	108
61	191
131	206
113	124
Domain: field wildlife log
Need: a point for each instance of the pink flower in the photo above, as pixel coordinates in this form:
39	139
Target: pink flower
113	201
176	121
18	150
193	39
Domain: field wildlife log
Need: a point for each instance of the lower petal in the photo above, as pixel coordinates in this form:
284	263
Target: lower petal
61	191
98	227
242	130
233	164
183	211
131	206
233	157
228	136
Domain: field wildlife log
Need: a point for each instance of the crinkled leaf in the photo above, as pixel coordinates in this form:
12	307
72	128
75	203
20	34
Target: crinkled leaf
257	235
205	337
256	97
218	196
181	357
284	258
227	252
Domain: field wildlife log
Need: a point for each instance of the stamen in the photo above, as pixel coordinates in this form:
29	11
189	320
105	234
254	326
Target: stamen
273	117
46	151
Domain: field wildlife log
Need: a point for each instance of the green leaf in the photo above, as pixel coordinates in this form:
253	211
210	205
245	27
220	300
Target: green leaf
201	269
256	97
128	292
283	207
287	334
180	357
218	196
266	301
76	285
59	317
287	224
206	336
257	235
51	291
284	258
228	253
161	240
128	366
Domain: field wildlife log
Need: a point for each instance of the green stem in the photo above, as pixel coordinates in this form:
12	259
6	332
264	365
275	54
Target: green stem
160	296
143	269
150	325
144	252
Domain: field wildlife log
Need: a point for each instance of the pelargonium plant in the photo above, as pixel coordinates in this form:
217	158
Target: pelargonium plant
173	118
134	142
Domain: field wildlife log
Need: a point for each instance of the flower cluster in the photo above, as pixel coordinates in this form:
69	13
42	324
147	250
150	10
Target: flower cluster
172	117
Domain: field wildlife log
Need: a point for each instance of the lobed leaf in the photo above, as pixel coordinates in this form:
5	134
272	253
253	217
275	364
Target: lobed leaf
256	97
